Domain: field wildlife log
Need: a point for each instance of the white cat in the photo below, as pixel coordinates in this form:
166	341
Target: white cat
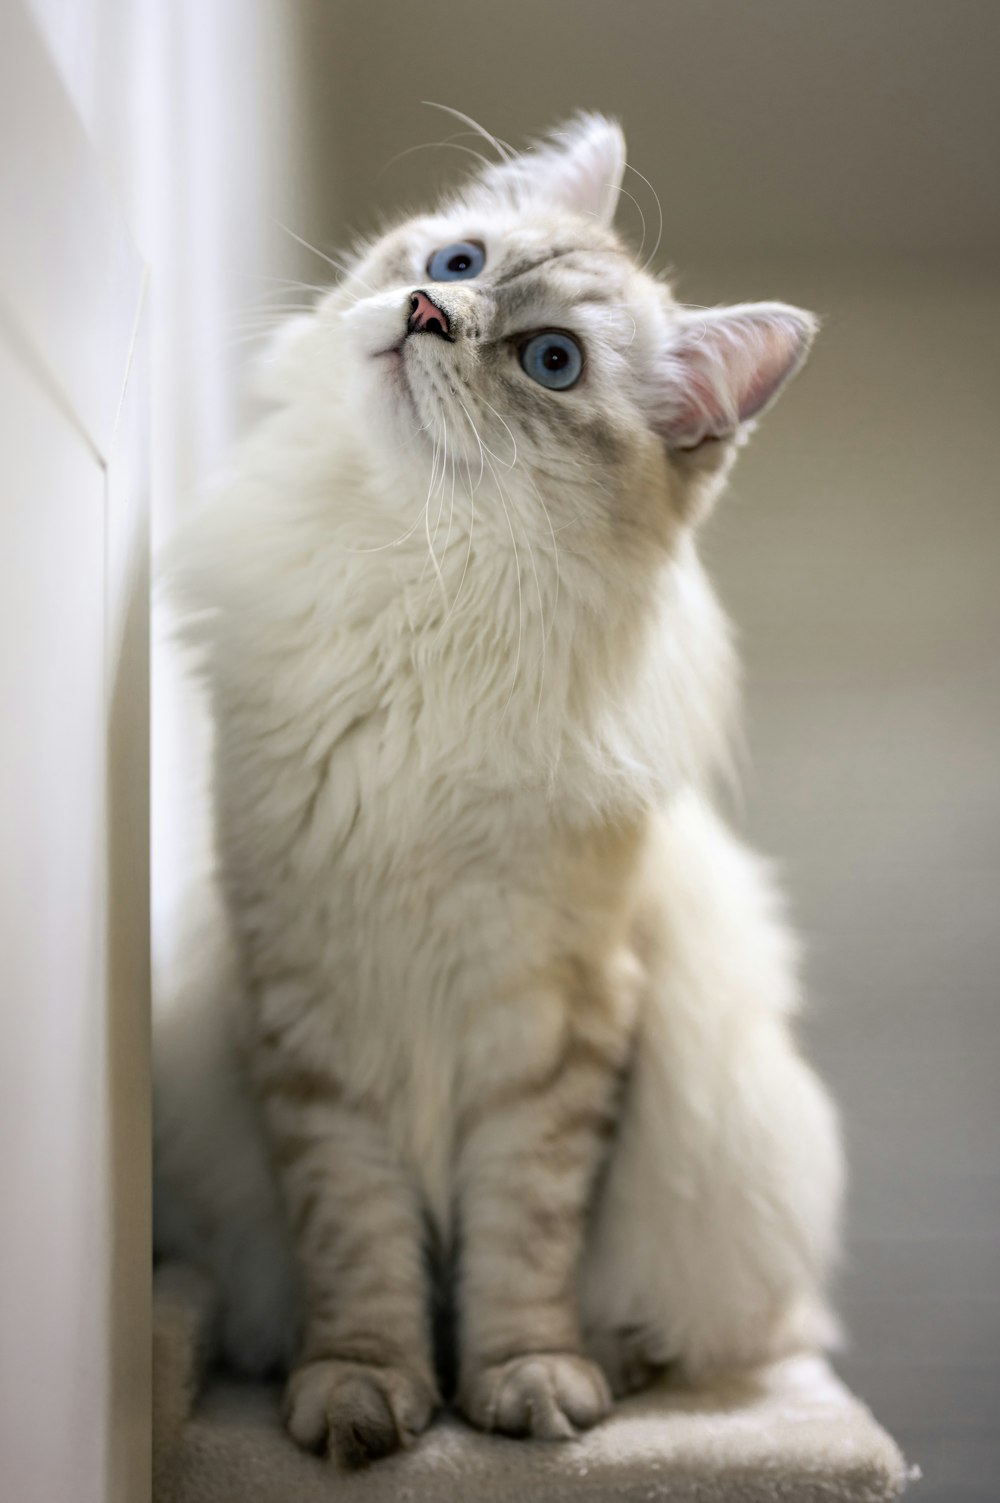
495	1003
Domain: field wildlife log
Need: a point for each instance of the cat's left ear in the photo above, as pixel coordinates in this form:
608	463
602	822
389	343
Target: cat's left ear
579	167
723	367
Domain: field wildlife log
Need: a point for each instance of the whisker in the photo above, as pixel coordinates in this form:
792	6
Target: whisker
427	522
659	210
504	152
291	282
520	601
642	218
449	142
541	605
513	440
341	266
451	510
468	549
482	453
437	524
306	245
421	512
271	313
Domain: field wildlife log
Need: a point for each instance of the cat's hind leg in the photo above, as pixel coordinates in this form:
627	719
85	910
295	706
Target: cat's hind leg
716	1221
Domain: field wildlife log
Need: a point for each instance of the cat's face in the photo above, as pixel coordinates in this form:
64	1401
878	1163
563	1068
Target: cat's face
512	342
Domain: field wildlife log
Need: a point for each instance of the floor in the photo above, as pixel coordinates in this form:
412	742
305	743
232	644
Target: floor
860	556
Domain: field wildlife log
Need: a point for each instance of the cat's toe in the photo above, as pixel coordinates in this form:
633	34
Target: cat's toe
356	1412
547	1395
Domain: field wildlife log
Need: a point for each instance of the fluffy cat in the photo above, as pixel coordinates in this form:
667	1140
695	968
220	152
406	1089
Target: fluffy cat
495	1003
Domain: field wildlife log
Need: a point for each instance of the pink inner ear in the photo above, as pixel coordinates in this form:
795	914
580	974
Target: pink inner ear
697	416
780	351
727	367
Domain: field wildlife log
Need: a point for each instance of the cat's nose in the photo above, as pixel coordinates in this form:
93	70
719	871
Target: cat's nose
426	317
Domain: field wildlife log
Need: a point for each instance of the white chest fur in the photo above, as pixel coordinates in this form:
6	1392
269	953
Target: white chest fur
406	787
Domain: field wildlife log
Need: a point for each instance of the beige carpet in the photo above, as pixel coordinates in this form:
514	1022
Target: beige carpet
790	1433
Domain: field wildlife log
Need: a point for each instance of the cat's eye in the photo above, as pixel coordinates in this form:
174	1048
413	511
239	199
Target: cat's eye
553	359
453	263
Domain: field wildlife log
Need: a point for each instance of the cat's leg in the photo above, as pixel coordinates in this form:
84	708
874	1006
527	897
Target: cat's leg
364	1385
531	1148
717	1218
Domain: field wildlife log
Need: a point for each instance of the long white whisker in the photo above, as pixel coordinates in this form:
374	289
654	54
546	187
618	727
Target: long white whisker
513	440
271	314
642	217
291	282
430	487
422	512
482	450
659	210
427	523
534	569
444	466
341	266
450	143
520	601
504	152
468	549
451	509
306	245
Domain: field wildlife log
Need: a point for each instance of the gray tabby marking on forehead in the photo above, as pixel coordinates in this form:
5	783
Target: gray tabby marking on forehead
585	253
512	301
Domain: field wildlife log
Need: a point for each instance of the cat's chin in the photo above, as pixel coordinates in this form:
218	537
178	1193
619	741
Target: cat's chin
393	364
385	390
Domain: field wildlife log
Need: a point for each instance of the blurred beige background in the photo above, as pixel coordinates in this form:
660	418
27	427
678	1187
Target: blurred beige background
844	156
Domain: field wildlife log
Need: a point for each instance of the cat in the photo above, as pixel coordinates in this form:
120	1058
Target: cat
493	1002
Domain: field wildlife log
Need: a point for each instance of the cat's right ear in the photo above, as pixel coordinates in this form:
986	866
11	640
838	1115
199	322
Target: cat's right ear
579	168
724	367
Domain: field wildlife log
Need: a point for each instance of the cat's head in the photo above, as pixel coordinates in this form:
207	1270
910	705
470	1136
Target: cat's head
512	340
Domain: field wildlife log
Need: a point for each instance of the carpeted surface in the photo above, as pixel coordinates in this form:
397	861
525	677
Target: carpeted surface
790	1433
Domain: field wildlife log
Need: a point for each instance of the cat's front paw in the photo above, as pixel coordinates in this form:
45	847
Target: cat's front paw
548	1395
357	1412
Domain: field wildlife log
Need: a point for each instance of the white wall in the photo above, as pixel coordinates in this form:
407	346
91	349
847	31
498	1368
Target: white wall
146	149
74	942
198	114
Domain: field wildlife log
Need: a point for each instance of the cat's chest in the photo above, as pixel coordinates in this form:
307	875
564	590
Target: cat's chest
421	905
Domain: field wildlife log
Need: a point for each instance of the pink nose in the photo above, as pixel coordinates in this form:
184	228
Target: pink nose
426	317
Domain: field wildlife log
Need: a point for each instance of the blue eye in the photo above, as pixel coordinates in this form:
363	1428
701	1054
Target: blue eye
466	258
552	359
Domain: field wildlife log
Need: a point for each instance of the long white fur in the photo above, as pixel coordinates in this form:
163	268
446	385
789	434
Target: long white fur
411	651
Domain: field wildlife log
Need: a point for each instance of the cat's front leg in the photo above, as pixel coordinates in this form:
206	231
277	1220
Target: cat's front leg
527	1166
364	1385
